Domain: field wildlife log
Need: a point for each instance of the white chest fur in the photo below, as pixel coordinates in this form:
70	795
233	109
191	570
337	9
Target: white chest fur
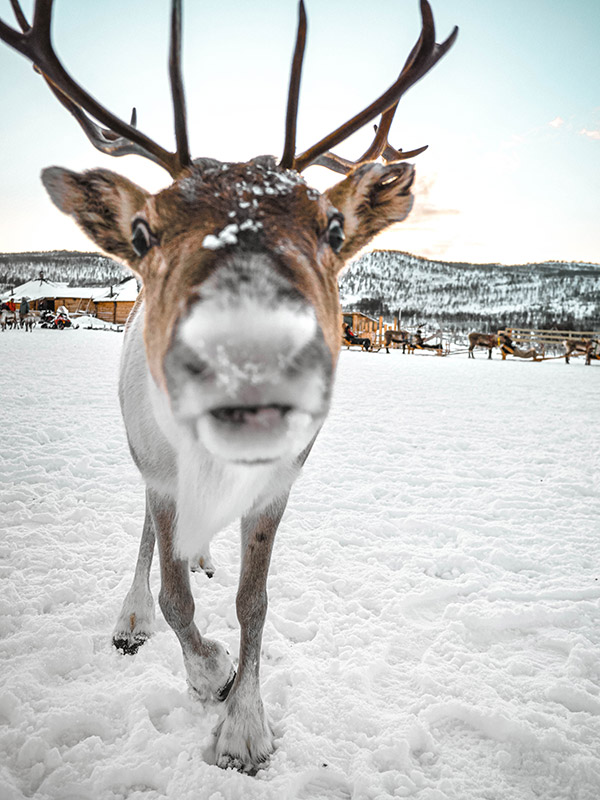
210	493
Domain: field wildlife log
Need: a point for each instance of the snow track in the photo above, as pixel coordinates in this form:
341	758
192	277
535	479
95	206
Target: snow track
434	621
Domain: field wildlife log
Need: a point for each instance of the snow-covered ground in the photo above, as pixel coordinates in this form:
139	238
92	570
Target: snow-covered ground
434	620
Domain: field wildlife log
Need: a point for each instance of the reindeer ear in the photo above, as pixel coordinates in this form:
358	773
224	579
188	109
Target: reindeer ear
101	202
372	197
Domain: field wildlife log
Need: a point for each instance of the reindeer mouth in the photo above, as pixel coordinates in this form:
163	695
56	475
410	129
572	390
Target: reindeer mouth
255	434
259	417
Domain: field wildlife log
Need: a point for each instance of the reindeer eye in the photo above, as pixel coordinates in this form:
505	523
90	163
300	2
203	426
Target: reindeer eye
335	234
142	238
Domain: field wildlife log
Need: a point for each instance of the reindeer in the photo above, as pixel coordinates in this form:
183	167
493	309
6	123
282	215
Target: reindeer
580	347
29	321
397	337
220	426
488	340
8	319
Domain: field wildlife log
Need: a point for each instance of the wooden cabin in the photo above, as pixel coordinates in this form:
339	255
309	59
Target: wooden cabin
114	305
76	299
42	293
109	303
359	322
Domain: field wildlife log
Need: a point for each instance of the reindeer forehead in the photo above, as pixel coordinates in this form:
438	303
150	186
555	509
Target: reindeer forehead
216	196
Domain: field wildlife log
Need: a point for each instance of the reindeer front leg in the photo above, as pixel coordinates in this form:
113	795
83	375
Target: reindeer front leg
209	669
136	619
244	739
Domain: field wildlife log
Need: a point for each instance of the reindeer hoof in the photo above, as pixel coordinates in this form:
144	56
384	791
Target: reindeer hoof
205	565
244	739
128	645
233	762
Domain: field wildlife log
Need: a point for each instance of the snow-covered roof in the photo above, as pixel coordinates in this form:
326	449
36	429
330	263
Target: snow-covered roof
83	292
127	291
37	289
349	310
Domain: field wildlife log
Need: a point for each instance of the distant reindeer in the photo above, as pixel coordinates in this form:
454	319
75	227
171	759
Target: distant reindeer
396	337
219	423
580	347
487	340
29	321
8	319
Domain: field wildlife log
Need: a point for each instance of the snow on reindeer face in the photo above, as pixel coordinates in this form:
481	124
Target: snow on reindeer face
247	367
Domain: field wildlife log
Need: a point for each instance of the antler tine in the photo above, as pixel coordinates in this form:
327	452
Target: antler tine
425	42
289	149
343	165
381	146
104	139
177	93
120	139
333	162
424	55
390	153
21	18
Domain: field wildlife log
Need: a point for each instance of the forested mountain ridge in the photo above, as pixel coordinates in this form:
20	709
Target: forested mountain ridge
462	296
62	266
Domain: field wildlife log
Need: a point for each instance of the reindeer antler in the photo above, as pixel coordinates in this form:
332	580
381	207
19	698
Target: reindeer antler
424	55
119	139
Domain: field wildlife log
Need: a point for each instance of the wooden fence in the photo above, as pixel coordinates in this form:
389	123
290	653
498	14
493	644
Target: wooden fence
548	340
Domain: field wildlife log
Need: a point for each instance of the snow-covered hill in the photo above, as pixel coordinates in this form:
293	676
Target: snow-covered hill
460	296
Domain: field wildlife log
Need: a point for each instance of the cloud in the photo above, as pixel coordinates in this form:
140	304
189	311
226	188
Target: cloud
556	122
590	134
427	203
423	211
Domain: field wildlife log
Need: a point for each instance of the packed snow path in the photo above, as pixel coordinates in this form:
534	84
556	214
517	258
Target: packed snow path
434	620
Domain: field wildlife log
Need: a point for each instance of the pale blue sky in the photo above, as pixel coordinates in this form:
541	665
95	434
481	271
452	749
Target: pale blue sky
511	114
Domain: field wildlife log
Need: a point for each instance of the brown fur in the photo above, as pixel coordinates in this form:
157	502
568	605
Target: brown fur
398	337
487	340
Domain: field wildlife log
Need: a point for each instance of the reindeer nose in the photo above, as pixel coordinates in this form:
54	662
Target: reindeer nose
246	345
248	369
248	323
